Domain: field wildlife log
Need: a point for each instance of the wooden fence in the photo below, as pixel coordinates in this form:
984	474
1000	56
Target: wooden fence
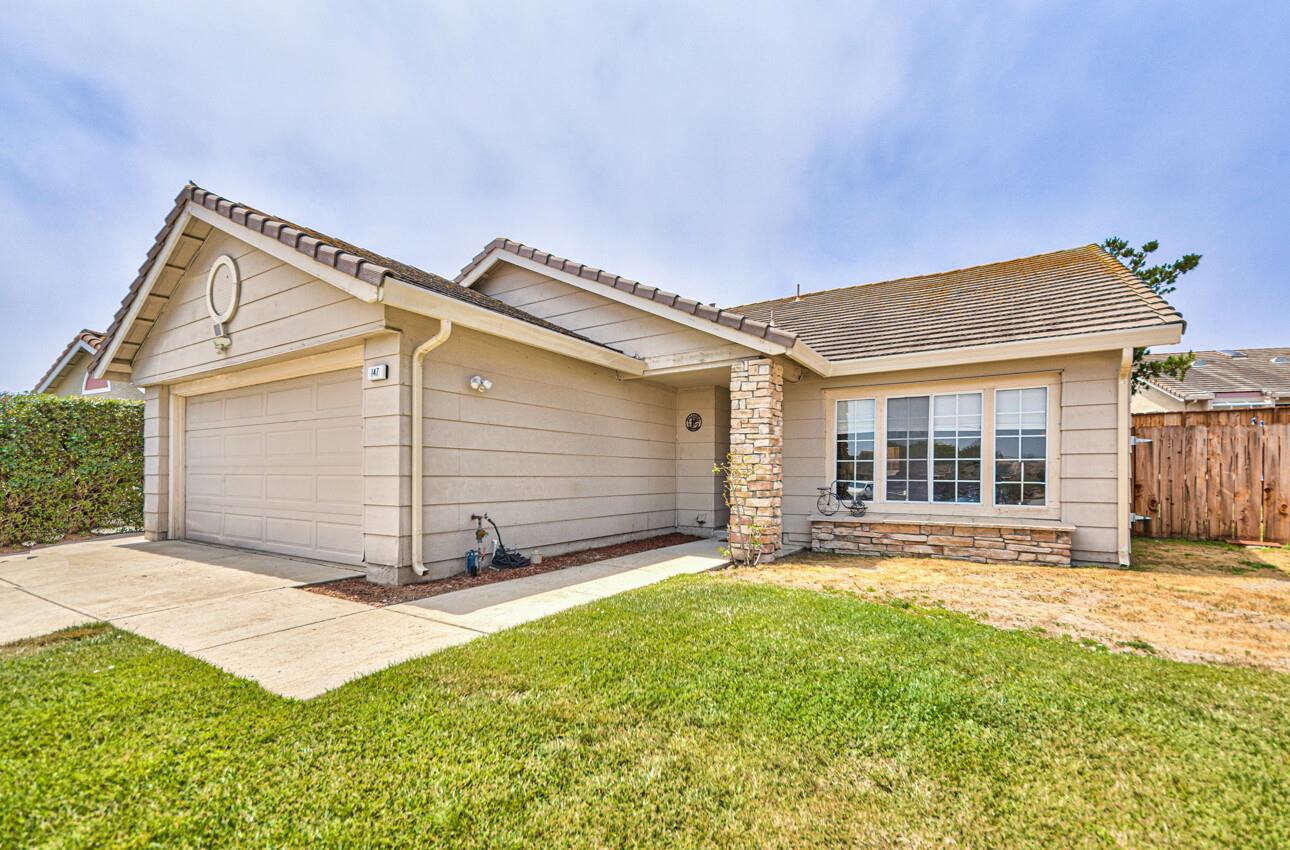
1213	475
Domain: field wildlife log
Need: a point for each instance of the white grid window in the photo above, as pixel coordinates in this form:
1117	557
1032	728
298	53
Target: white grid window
1021	446
907	448
956	448
855	448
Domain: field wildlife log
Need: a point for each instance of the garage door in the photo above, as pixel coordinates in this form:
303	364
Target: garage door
278	467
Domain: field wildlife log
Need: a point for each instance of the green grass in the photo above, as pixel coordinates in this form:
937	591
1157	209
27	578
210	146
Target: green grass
695	713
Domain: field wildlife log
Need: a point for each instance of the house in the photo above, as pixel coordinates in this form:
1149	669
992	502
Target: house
1221	380
309	397
69	374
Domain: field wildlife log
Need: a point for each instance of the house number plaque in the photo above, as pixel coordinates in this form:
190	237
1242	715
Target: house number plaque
693	422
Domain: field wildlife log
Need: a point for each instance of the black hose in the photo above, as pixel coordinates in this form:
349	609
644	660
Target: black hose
504	559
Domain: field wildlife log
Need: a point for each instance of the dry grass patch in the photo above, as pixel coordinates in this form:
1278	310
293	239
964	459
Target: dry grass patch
1199	602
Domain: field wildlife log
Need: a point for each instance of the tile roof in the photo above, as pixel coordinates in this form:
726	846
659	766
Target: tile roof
728	318
343	256
91	338
1063	293
1222	372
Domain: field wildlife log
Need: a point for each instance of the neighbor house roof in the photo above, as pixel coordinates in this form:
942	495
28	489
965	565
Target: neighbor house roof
1264	370
343	256
87	340
729	318
1064	293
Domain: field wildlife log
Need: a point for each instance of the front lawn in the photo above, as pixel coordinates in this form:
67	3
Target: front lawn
1184	600
700	712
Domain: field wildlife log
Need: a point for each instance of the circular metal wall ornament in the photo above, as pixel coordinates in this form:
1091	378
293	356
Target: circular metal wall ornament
224	276
693	422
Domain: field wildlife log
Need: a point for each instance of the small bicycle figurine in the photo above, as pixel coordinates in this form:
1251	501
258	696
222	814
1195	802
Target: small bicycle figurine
829	504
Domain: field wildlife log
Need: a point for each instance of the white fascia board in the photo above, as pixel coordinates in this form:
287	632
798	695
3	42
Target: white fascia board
353	286
360	289
418	299
123	330
81	345
1053	346
643	304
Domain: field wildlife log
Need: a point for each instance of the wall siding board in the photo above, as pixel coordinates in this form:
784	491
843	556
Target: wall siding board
621	326
282	309
562	454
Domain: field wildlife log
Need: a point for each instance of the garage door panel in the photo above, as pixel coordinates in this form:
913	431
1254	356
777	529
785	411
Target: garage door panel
290	487
345	440
278	467
293	443
243	445
243	486
339	395
243	407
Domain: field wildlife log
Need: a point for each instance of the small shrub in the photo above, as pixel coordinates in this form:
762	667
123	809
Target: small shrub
68	465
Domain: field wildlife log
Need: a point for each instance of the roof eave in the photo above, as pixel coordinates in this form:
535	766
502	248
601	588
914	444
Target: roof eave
75	348
417	299
724	324
1164	334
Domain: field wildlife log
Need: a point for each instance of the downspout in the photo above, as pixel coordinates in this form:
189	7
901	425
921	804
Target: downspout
1124	458
418	439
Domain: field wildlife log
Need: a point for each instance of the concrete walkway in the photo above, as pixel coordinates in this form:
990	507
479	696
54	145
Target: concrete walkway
245	612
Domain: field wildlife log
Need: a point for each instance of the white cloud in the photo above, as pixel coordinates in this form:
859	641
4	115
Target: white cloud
725	150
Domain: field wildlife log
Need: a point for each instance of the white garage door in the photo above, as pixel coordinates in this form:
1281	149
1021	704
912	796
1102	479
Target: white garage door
278	467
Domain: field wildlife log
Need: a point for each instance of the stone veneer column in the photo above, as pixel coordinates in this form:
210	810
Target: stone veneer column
156	463
757	455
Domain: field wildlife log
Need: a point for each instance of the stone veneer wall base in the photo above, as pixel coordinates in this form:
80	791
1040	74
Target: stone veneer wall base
983	544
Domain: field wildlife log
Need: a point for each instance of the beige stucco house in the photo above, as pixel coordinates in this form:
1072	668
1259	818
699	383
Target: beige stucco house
306	396
69	373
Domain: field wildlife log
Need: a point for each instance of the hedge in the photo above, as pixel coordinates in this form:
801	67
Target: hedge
69	465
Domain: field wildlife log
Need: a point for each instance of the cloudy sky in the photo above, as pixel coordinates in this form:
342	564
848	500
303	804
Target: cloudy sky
724	150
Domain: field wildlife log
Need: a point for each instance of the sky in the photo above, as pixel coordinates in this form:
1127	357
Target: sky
727	151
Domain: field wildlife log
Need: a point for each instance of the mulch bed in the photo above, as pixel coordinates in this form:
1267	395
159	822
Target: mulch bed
362	590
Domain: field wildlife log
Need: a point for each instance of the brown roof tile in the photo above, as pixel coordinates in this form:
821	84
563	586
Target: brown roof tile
1223	372
727	318
91	338
1063	293
345	257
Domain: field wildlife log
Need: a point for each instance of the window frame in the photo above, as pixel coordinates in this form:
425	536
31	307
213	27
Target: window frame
987	386
1048	450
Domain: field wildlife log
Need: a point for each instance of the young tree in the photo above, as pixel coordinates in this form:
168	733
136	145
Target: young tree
1162	279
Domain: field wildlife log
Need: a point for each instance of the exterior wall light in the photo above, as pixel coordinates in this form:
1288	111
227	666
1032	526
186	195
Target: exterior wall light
480	384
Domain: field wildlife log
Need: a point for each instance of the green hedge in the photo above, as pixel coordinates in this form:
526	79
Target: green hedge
69	465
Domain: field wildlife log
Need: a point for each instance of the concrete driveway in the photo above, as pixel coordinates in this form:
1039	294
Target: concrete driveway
245	612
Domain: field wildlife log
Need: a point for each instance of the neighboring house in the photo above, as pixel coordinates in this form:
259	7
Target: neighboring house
69	374
1221	380
309	397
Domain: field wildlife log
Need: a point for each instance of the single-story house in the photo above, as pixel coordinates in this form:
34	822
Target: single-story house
309	397
1221	380
69	374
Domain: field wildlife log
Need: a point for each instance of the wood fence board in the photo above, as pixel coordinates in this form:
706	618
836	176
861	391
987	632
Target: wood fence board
1213	475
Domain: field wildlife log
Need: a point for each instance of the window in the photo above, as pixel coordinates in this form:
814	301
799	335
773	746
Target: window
855	437
1021	446
981	447
956	448
91	385
907	448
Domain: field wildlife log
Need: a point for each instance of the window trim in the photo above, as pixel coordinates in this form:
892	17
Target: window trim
987	386
1048	448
